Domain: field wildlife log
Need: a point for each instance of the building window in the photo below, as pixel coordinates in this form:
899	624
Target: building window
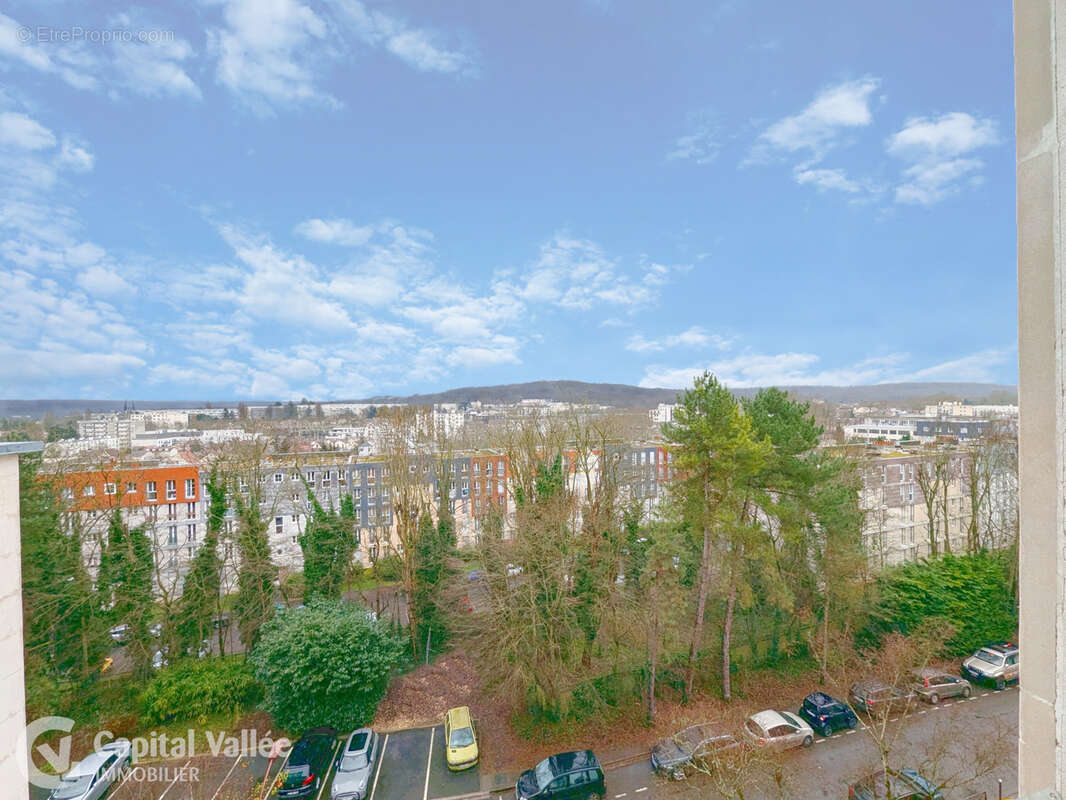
499	488
172	535
242	484
279	524
130	487
149	490
295	517
477	467
311	478
172	490
327	477
357	494
192	533
68	494
172	510
296	475
488	469
190	488
153	512
462	467
190	511
278	477
499	467
89	491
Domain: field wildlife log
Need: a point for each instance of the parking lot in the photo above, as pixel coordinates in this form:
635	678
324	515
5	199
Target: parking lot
411	765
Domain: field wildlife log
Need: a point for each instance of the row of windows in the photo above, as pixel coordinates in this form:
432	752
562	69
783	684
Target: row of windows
150	490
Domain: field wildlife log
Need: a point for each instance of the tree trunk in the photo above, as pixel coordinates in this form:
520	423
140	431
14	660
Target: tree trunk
825	641
653	658
701	608
726	633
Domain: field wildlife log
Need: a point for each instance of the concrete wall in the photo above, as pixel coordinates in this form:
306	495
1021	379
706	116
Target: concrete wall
1040	80
12	679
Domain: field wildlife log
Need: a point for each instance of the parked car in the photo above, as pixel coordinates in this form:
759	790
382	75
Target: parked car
934	685
460	741
309	761
874	697
514	569
156	629
996	664
904	785
672	755
120	633
778	730
566	776
355	765
827	714
91	777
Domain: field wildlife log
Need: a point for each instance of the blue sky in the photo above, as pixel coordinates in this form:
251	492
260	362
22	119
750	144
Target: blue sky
286	198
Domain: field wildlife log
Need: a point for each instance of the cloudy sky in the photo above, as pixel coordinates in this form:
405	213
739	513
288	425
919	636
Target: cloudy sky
340	198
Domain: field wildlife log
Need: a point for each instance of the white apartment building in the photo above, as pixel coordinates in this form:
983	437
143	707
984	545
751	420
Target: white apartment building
872	430
664	412
165	418
110	426
951	408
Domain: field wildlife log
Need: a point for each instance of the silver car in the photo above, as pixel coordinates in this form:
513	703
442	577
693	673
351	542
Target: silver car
354	765
91	777
934	685
778	730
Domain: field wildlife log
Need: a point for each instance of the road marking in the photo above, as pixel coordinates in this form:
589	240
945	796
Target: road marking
219	789
849	732
329	769
836	736
180	772
641	789
429	762
935	708
923	711
381	757
623	794
985	694
268	783
820	741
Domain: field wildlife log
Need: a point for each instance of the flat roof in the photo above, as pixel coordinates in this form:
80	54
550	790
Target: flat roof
14	448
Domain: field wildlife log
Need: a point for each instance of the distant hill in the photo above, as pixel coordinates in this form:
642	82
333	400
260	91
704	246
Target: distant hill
609	394
625	396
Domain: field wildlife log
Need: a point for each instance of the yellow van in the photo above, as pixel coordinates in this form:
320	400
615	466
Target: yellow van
460	742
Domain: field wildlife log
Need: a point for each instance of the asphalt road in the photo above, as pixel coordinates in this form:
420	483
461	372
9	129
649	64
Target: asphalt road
411	765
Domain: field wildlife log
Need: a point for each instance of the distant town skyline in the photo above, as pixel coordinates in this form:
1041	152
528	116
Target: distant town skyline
342	199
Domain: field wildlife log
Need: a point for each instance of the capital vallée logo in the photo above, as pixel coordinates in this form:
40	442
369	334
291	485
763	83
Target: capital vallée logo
59	762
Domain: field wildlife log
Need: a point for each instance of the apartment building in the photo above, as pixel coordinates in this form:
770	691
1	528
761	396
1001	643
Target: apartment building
896	524
166	500
878	430
111	426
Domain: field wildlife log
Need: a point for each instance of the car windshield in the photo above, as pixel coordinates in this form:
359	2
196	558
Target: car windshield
352	761
461	737
989	657
543	773
753	727
72	787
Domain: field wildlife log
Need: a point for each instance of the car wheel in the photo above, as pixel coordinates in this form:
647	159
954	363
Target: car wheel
853	723
807	742
595	796
934	698
827	729
677	775
1001	684
966	691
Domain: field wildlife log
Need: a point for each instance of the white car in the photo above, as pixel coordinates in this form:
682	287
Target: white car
778	730
91	777
120	633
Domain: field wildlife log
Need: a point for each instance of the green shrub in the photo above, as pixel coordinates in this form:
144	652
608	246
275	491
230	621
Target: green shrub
969	593
325	664
389	568
195	689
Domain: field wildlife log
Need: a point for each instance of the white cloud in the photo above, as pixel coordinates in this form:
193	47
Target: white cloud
266	51
834	179
801	369
283	288
947	136
335	231
937	152
693	337
483	356
417	47
75	157
576	274
817	128
701	146
104	281
150	67
19	131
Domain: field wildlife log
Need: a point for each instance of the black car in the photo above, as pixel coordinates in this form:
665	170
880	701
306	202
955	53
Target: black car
827	714
570	776
308	764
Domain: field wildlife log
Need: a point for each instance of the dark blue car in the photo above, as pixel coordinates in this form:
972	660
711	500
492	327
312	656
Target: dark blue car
827	714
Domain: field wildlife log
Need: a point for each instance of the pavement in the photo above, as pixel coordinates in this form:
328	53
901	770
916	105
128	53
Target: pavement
411	765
